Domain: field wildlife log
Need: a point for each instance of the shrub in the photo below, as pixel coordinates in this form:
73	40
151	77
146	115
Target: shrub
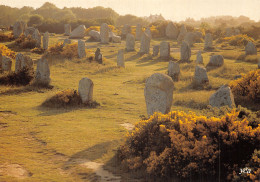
23	77
155	32
26	42
67	98
248	86
97	28
251	58
190	146
70	51
7	52
38	50
55	49
6	37
236	40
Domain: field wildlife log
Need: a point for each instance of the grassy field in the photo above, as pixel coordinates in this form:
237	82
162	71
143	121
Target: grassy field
49	142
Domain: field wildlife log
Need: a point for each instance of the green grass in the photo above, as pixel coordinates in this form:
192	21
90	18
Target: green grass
44	140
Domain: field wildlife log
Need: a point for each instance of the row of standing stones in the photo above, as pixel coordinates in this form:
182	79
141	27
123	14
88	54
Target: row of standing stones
159	87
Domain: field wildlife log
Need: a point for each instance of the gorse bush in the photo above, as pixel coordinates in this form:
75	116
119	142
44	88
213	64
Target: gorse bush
70	51
38	50
26	42
7	52
67	98
55	49
248	86
190	146
6	37
236	40
23	77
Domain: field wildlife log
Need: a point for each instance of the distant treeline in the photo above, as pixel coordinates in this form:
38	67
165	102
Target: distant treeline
49	17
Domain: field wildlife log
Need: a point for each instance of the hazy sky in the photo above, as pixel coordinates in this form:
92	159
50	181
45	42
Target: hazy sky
175	10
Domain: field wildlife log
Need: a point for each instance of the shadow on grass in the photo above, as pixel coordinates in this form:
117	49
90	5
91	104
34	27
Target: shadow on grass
134	57
111	56
26	89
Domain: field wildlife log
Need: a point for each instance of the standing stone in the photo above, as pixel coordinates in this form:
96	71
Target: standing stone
22	62
148	32
67	29
156	49
130	42
126	30
208	42
251	49
81	49
197	36
86	90
120	58
185	52
138	33
37	36
66	41
158	93
165	50
171	31
104	33
200	76
229	32
174	71
29	31
78	33
43	72
183	32
222	97
45	40
6	63
95	35
189	38
18	29
199	59
216	61
145	44
98	56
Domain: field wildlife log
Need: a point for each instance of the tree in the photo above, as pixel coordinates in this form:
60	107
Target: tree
35	20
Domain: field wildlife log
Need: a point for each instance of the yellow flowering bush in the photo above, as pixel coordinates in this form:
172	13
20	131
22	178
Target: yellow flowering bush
55	49
70	51
4	37
26	42
96	28
188	146
7	52
248	86
236	40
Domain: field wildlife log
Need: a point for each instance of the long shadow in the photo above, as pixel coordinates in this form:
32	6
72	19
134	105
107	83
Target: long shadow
111	56
134	57
25	89
93	153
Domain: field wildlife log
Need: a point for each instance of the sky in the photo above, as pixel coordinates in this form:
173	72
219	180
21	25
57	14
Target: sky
175	10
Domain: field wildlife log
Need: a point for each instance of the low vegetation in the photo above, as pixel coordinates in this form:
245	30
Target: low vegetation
24	42
23	77
5	51
193	146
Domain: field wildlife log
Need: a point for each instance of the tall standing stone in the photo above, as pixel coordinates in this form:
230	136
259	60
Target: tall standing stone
185	52
78	33
67	29
200	76
126	30
6	63
37	36
138	33
86	90
189	38
158	93
45	40
22	61
208	44
81	49
18	29
183	32
156	49
130	42
171	31
199	59
222	97
165	50
104	33
29	31
120	58
174	70
43	72
148	32
250	49
98	56
145	44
